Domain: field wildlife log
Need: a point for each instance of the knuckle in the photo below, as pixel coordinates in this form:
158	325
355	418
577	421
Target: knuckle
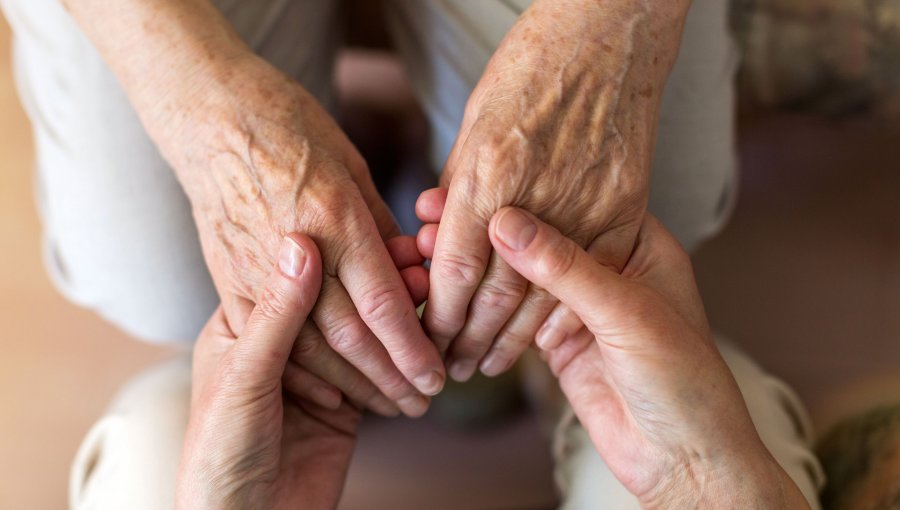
538	299
471	345
347	337
466	269
510	343
504	296
557	261
307	348
385	307
442	327
273	303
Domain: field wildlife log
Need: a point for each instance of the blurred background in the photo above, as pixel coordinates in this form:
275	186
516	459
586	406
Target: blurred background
806	276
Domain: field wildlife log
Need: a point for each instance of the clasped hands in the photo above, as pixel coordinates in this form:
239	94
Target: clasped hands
643	377
610	302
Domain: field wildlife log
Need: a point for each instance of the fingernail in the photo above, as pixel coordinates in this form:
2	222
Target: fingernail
494	365
548	337
430	383
462	370
413	406
515	229
329	398
292	258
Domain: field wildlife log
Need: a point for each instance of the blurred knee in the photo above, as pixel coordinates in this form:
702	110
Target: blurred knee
129	459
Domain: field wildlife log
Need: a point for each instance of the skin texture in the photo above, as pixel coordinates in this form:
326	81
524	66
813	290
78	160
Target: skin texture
562	124
258	157
643	375
248	445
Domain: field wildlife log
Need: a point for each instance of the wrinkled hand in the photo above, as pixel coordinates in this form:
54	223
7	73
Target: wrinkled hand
248	445
259	157
644	377
562	124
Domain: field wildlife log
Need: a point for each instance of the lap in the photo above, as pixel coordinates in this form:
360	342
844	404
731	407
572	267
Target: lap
119	236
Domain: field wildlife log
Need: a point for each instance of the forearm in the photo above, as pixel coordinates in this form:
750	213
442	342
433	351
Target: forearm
163	52
638	31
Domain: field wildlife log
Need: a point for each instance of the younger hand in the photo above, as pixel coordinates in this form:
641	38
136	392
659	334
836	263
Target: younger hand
643	376
248	445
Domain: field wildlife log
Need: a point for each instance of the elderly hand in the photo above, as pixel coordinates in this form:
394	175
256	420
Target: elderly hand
262	159
644	377
248	445
258	158
561	124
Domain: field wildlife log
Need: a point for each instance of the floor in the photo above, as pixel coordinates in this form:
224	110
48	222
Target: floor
806	277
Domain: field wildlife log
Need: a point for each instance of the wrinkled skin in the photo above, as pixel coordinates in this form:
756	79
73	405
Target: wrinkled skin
249	444
276	162
258	157
562	124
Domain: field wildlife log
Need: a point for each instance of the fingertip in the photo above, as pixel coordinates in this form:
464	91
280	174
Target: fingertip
561	323
416	280
426	239
414	406
430	383
430	205
548	337
404	251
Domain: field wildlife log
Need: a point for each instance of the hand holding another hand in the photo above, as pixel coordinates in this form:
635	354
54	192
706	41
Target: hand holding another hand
643	376
562	124
249	444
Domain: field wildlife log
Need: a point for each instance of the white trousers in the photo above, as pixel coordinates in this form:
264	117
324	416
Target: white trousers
129	459
116	220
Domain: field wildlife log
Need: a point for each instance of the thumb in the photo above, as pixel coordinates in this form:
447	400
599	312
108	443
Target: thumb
261	352
599	296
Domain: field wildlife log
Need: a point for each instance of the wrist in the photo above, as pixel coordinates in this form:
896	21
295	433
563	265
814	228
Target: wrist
750	481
